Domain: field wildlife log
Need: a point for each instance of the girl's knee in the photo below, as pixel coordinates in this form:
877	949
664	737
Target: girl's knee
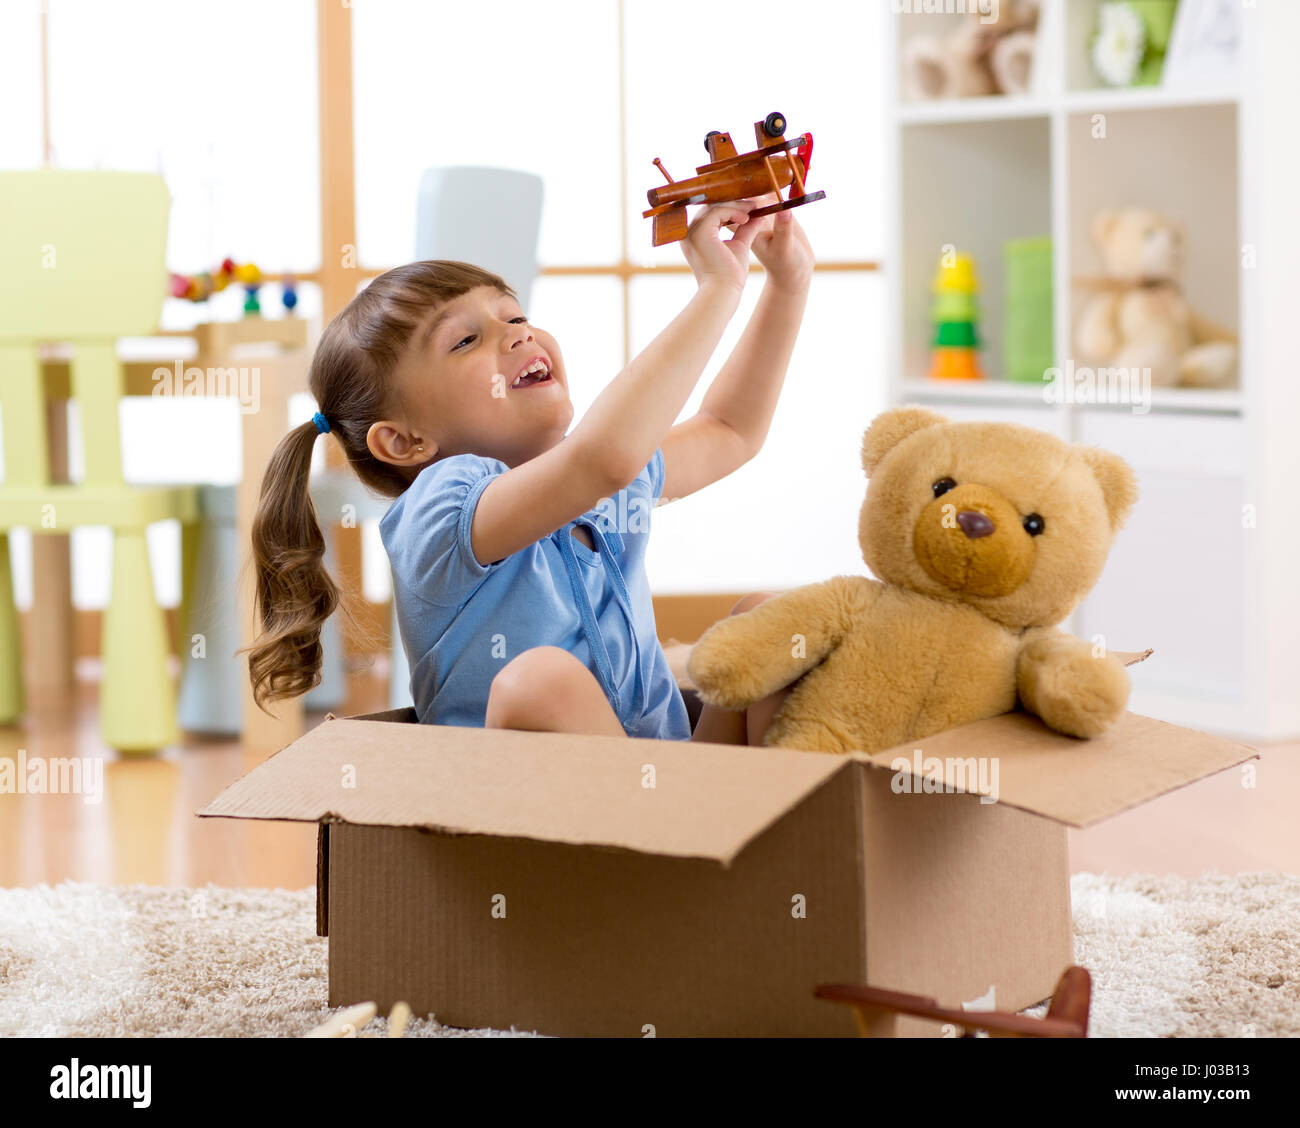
749	602
540	679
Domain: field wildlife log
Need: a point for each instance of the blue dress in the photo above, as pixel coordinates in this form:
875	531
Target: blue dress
462	621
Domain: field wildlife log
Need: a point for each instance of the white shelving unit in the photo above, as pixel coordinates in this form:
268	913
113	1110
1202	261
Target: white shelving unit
1207	572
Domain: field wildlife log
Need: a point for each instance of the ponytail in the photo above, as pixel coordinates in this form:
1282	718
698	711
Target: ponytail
295	593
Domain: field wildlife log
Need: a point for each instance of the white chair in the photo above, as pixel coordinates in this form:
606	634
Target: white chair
490	217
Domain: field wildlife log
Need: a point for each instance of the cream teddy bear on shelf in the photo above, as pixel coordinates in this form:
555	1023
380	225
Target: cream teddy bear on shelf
990	52
1140	319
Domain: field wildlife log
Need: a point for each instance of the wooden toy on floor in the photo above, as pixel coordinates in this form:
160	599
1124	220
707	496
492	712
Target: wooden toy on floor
877	1011
735	176
346	1023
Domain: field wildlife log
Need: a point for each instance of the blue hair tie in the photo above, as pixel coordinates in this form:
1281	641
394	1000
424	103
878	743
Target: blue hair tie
322	424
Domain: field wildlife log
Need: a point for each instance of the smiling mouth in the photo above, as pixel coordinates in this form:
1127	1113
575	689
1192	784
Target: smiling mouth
531	380
538	372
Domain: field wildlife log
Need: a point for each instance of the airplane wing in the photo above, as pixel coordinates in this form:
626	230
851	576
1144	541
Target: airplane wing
669	227
766	151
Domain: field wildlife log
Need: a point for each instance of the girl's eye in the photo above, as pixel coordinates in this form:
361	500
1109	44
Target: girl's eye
471	336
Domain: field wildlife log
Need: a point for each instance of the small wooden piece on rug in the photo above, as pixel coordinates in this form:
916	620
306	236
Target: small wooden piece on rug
346	1023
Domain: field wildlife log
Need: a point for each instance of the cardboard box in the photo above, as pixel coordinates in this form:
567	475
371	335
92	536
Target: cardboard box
583	885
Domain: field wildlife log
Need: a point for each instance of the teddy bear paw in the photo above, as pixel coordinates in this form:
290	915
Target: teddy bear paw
717	669
805	734
1082	695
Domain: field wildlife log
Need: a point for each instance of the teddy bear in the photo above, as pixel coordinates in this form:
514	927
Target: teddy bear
991	52
1140	319
983	537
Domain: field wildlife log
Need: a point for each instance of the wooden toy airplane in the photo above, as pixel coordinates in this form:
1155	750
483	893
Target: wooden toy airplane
733	176
877	1011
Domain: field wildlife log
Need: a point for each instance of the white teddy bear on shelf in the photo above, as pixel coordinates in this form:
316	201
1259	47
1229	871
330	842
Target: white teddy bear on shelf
991	52
1140	319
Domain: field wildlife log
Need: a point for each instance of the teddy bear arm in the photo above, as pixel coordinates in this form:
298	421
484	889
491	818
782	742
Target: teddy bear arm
1205	331
746	657
1073	690
1212	361
1098	332
1211	365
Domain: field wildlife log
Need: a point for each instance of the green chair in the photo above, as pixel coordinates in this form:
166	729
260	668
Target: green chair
82	262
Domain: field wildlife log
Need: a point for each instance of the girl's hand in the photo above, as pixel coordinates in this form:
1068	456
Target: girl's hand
782	247
716	261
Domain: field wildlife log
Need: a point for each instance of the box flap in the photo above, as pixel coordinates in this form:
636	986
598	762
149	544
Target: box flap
674	798
1072	781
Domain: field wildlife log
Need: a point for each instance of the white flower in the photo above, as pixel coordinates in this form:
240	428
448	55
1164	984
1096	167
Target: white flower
1120	44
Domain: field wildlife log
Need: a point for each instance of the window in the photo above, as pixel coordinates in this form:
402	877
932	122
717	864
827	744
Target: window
222	99
539	88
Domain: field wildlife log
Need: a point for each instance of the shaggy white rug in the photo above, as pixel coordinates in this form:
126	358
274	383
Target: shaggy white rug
1214	956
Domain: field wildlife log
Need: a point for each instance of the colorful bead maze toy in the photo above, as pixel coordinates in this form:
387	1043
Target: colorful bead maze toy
200	287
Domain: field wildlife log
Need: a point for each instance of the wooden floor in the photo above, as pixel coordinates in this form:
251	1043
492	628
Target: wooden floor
145	829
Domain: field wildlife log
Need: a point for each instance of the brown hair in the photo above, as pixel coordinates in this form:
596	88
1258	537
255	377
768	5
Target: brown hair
352	383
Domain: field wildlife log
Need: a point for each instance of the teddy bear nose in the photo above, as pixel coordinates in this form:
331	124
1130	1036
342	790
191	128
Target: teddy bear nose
974	525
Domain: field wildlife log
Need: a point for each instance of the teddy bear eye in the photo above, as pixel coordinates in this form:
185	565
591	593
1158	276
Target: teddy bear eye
942	486
1034	524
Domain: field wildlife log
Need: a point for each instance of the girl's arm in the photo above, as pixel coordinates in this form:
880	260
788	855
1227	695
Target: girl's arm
631	417
733	420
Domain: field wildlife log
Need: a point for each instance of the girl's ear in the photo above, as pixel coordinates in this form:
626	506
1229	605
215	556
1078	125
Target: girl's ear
890	428
388	443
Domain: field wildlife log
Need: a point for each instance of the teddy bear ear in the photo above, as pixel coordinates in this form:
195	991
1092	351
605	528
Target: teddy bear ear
1117	481
890	428
1102	224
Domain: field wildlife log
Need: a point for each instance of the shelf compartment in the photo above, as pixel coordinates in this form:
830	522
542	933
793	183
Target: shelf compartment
1181	163
972	186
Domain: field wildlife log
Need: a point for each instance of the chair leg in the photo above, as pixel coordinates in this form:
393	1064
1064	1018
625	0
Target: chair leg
211	693
191	533
13	701
137	706
399	677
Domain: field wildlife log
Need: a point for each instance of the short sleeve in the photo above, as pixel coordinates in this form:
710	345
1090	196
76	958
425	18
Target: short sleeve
655	469
428	539
629	512
649	483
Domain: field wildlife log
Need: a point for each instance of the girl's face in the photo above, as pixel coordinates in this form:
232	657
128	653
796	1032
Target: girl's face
463	386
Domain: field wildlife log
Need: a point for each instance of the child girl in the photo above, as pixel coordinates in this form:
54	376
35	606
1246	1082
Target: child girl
517	545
